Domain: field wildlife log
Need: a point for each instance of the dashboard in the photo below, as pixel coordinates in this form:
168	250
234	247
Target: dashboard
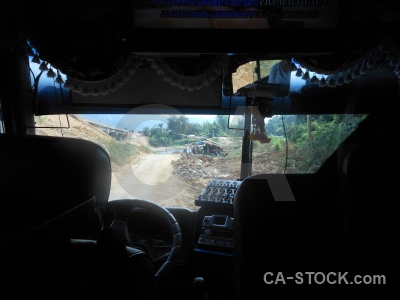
208	229
207	236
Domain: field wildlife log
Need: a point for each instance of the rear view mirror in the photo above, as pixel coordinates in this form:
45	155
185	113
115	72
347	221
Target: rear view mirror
266	78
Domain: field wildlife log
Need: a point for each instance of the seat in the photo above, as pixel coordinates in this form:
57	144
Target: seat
282	227
262	235
46	181
53	189
343	220
369	184
55	192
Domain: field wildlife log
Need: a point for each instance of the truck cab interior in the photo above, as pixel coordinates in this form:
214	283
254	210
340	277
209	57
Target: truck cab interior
207	150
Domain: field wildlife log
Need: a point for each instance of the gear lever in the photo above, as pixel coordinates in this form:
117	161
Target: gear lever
199	288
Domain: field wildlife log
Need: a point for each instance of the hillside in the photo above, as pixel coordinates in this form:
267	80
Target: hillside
69	126
74	127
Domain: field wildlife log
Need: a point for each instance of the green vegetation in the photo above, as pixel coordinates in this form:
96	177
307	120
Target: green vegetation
235	152
179	131
278	143
304	141
40	119
314	137
119	152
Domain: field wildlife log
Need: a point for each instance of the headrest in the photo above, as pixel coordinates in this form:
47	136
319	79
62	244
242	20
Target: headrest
52	184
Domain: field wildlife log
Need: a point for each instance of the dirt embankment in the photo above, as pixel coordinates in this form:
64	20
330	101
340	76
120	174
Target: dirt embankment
69	126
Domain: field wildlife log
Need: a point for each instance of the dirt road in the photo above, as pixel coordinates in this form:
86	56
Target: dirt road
150	177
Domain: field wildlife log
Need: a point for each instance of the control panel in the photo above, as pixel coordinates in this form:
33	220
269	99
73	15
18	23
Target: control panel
217	230
218	191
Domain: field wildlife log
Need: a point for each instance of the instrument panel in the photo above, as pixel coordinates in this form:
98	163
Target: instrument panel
218	192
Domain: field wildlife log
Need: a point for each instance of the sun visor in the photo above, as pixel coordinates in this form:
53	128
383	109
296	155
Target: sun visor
144	87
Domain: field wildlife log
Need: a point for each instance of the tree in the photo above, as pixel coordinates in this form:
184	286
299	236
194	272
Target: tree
222	124
178	125
146	131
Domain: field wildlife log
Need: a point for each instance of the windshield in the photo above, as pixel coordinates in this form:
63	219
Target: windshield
169	159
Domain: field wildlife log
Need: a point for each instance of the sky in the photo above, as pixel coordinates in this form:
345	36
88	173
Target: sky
139	122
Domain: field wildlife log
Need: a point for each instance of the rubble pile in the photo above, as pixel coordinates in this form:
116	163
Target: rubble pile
192	166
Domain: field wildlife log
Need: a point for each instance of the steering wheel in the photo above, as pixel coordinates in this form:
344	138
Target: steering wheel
122	208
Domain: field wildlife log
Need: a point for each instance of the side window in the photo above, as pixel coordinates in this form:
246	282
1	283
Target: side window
1	122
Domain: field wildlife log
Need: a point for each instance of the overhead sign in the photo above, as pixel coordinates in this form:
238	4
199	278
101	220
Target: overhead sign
238	14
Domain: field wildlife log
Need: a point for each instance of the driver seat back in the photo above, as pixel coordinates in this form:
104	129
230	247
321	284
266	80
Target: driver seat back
262	206
53	189
55	192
